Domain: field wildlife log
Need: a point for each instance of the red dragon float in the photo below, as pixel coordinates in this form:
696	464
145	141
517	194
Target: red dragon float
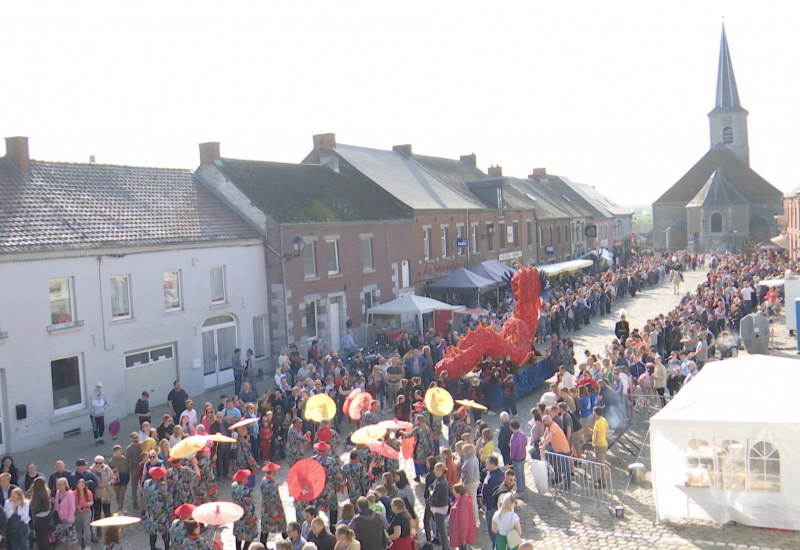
515	337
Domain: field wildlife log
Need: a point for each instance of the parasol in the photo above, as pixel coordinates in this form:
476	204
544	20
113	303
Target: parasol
188	446
320	407
219	438
439	401
469	403
324	434
115	520
381	448
243	422
217	513
349	398
408	446
367	432
396	425
305	479
360	403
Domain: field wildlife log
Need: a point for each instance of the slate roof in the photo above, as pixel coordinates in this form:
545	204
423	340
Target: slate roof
546	204
727	98
567	200
62	206
717	192
591	194
485	191
405	179
753	187
308	193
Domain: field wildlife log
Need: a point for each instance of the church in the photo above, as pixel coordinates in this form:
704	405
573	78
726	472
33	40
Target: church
720	203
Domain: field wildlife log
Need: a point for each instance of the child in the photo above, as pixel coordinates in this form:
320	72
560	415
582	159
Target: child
265	436
401	410
509	402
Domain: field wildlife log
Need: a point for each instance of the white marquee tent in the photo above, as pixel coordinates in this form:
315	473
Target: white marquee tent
411	305
725	450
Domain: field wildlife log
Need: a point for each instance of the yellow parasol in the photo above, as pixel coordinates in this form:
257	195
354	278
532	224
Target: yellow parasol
439	401
368	432
471	404
188	446
320	407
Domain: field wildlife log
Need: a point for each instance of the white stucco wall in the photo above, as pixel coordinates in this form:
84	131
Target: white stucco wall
26	353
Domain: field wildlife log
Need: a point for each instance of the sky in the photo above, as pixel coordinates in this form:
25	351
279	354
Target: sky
610	93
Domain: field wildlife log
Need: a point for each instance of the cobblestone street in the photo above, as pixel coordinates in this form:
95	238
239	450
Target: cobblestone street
552	523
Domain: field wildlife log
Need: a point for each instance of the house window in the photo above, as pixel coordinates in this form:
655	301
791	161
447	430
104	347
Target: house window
65	375
550	235
513	237
426	243
153	355
558	233
332	253
503	236
218	284
172	290
368	299
260	336
121	297
529	232
541	236
727	135
459	235
62	306
474	239
716	222
366	253
310	260
444	242
489	237
311	319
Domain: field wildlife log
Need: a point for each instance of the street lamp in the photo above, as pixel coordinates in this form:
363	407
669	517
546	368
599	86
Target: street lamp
299	244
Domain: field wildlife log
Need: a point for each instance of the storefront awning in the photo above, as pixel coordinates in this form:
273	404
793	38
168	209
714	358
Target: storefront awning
565	267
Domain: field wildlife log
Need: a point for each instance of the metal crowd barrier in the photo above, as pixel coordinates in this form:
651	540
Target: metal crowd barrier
578	477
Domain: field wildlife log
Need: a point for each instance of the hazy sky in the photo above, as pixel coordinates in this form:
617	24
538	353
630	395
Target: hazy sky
610	93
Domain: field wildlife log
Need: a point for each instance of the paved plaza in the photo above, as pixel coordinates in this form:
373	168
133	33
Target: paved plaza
552	523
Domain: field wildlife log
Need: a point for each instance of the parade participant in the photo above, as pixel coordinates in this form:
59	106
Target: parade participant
177	529
332	439
181	480
435	422
265	436
371	416
458	427
245	529
244	453
206	486
83	513
392	464
358	479
295	441
194	542
156	498
111	537
423	446
273	517
334	479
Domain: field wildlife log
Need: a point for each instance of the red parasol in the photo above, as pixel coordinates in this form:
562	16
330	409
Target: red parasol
324	434
360	403
408	446
217	513
243	422
349	398
396	425
381	448
305	479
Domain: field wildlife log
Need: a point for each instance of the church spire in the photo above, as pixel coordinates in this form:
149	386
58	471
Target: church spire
728	119
727	94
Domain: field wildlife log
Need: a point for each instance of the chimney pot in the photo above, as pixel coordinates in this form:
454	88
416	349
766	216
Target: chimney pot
496	171
405	149
209	153
539	174
17	153
324	142
470	159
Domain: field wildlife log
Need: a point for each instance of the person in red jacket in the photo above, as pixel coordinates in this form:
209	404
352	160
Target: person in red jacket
462	519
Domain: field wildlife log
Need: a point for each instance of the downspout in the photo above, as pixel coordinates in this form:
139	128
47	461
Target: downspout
283	283
468	232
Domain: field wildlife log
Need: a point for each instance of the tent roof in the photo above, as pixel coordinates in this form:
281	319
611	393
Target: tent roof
723	393
493	270
462	280
564	267
410	305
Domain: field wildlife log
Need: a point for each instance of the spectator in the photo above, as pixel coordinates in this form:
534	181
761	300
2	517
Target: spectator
463	523
368	527
438	498
518	446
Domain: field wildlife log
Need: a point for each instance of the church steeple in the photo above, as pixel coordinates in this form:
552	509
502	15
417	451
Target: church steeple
728	119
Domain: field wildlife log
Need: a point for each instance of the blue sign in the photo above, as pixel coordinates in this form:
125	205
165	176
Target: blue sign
550	249
691	238
462	241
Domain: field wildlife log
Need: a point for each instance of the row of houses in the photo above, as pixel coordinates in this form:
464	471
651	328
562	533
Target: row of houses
137	276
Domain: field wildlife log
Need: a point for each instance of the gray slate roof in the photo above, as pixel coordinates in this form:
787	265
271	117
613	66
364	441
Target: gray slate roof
594	196
404	179
62	206
727	98
548	205
717	191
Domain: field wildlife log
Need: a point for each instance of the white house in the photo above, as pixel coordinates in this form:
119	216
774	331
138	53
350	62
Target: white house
131	276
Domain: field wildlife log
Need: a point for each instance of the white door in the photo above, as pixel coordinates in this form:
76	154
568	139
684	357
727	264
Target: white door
404	274
333	319
152	370
219	340
2	419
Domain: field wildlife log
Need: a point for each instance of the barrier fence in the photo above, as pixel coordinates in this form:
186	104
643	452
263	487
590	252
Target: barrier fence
581	478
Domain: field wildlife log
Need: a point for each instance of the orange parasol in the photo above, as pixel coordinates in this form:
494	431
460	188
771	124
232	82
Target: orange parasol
349	398
439	401
396	425
367	432
381	448
217	513
243	422
360	403
320	407
408	446
306	479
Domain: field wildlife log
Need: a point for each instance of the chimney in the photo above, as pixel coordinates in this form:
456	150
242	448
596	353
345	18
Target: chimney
17	153
92	159
496	171
209	153
538	174
324	142
405	149
470	159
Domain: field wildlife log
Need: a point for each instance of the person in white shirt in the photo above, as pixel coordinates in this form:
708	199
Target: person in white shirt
567	378
16	505
191	413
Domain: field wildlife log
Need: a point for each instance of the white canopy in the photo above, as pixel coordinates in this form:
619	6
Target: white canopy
565	267
722	452
411	305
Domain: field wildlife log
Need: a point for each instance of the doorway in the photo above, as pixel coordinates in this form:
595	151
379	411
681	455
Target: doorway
335	321
219	340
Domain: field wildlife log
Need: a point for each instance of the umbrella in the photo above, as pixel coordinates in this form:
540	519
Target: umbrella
115	520
439	401
396	425
408	446
324	434
381	448
349	398
243	422
360	403
320	407
219	438
368	432
188	446
471	404
217	513
305	479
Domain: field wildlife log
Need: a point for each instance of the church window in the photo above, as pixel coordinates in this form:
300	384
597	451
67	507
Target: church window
727	135
716	222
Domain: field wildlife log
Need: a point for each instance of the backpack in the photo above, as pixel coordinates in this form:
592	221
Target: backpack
14	526
576	420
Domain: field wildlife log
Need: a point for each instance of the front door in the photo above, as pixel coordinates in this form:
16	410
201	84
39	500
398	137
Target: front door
219	339
333	319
